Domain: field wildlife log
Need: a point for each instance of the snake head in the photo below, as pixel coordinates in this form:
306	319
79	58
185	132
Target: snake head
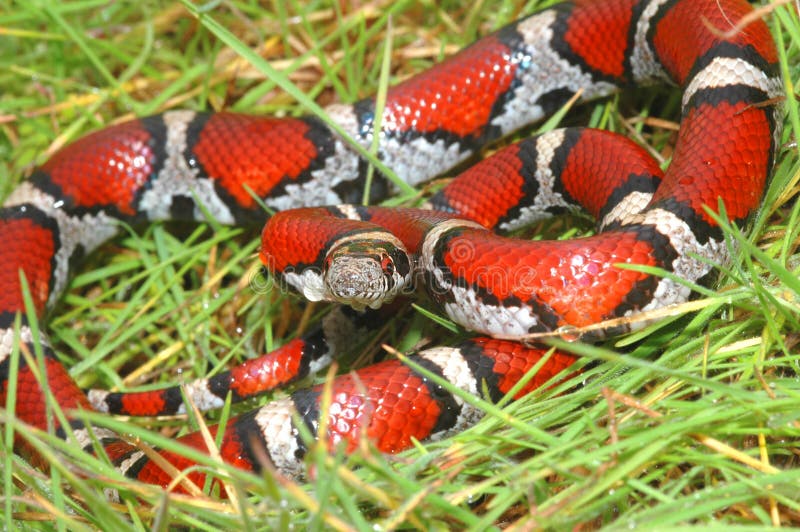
367	273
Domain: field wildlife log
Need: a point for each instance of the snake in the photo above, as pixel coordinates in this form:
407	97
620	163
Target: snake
188	165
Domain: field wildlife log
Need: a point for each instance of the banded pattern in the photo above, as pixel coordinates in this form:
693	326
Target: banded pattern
158	167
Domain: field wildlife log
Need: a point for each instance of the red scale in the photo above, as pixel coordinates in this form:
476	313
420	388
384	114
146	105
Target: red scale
253	152
590	176
709	169
105	168
591	41
31	247
419	104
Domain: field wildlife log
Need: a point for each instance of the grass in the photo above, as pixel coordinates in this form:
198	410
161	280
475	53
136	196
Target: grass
693	421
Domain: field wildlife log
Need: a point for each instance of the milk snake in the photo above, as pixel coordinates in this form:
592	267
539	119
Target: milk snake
162	166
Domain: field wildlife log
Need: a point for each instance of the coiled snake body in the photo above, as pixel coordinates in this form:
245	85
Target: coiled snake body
160	167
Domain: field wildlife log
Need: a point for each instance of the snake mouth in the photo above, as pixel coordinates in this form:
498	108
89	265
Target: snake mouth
362	273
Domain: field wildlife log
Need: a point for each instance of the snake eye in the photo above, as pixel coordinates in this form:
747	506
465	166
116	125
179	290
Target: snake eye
387	264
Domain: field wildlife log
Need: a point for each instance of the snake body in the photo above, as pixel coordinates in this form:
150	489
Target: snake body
170	165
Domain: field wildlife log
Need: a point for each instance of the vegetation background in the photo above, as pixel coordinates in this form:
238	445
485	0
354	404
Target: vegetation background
693	421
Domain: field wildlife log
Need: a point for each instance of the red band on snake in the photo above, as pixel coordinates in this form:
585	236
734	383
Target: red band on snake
160	167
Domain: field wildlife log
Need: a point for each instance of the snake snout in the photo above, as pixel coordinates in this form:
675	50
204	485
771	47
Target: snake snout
366	277
358	282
